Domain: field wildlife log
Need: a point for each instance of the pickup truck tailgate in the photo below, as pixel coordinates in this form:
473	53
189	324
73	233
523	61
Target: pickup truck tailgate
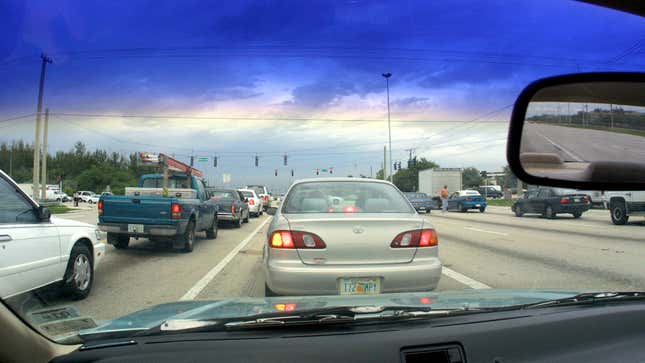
126	209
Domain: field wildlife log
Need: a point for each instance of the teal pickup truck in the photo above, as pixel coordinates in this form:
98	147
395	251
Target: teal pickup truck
174	213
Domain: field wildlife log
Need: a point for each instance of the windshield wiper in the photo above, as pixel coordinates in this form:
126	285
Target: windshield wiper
331	315
590	298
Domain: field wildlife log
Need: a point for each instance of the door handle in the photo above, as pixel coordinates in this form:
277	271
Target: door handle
5	238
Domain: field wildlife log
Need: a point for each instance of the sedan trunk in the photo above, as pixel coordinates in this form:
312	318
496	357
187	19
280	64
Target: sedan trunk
354	240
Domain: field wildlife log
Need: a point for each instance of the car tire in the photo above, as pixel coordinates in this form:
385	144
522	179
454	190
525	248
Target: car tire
260	213
482	209
79	275
549	213
120	242
268	292
518	211
188	238
211	233
461	208
238	223
246	220
619	213
577	214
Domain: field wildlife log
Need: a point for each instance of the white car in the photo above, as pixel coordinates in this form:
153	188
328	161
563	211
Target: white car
37	250
254	201
93	199
84	195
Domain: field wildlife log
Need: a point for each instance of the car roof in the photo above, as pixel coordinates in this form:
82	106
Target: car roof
468	192
341	179
246	190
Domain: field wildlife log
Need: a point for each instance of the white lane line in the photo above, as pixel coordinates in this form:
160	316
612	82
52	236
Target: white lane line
561	148
210	275
473	284
486	231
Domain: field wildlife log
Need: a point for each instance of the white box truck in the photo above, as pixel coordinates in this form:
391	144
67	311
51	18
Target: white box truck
432	180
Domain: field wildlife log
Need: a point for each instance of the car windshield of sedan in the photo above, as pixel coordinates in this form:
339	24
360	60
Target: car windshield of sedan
338	108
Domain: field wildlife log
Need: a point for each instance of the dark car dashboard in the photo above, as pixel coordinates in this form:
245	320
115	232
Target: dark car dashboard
613	332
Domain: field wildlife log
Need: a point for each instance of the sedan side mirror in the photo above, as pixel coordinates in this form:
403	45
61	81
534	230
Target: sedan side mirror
44	214
580	131
271	211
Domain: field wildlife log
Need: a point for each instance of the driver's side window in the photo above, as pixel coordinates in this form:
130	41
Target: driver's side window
14	208
454	195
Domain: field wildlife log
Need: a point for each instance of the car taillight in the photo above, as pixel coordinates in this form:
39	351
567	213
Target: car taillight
175	210
251	202
296	239
564	200
351	209
100	207
232	208
265	198
285	307
416	238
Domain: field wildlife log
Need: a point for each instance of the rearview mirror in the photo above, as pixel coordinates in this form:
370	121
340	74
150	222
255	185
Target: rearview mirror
271	211
582	131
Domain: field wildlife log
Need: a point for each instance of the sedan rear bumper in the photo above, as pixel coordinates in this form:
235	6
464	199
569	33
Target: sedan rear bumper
226	217
286	277
573	208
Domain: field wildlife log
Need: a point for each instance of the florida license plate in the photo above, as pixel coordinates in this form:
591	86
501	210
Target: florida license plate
360	286
477	205
135	228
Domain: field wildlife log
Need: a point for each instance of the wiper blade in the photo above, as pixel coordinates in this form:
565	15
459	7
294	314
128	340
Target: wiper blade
590	298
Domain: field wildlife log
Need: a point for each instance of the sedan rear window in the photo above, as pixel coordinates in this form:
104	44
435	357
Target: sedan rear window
248	194
222	194
345	197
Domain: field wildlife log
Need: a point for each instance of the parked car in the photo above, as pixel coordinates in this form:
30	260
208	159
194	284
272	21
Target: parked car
489	192
622	205
263	193
94	198
463	200
253	200
151	211
232	207
61	196
84	195
420	201
313	247
550	201
40	250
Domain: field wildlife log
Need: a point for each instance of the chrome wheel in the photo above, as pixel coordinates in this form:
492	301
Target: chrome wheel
82	274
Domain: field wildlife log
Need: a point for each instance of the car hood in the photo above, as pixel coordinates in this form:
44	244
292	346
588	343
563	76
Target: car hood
241	307
62	222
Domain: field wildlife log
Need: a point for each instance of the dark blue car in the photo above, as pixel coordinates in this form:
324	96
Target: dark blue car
464	200
420	201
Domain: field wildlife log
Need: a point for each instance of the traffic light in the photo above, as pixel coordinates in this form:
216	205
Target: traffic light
276	172
317	171
215	161
257	160
285	159
331	170
192	160
291	172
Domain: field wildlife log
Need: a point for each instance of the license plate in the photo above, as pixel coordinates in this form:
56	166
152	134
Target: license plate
477	205
135	228
422	208
576	199
359	286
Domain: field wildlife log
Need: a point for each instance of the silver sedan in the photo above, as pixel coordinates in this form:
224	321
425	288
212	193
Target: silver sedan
348	236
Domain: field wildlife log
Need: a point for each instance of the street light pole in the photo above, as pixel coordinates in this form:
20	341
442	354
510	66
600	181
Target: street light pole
389	125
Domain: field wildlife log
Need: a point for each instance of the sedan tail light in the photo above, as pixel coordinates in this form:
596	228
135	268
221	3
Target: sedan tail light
564	200
251	201
416	238
175	210
296	239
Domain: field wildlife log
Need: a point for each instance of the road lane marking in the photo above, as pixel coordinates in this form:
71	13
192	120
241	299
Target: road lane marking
561	148
210	275
486	231
472	283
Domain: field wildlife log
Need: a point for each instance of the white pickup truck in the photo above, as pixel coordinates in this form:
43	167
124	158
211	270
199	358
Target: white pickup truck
622	205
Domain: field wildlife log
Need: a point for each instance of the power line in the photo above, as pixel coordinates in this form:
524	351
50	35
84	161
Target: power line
17	117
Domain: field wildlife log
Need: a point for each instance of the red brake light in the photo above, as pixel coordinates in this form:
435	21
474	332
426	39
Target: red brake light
100	207
351	209
175	210
425	300
251	201
416	238
285	307
296	239
564	200
232	208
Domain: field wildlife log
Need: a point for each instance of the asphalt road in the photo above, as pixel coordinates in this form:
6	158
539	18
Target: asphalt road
575	144
494	249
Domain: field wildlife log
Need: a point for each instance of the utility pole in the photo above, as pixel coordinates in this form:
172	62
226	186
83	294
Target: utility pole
43	194
611	116
39	110
11	159
384	161
389	126
371	172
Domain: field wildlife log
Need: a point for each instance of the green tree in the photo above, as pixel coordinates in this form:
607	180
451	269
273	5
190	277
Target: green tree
408	179
471	177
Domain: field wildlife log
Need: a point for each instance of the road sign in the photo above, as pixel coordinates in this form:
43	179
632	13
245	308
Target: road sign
226	178
202	159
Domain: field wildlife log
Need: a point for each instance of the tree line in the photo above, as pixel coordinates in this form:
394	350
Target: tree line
75	169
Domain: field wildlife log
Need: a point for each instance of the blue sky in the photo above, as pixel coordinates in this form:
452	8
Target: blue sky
236	70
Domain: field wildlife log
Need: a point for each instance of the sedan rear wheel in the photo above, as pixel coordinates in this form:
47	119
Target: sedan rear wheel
518	211
548	212
461	208
577	214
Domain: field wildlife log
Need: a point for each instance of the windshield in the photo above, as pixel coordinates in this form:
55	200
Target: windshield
343	197
335	107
